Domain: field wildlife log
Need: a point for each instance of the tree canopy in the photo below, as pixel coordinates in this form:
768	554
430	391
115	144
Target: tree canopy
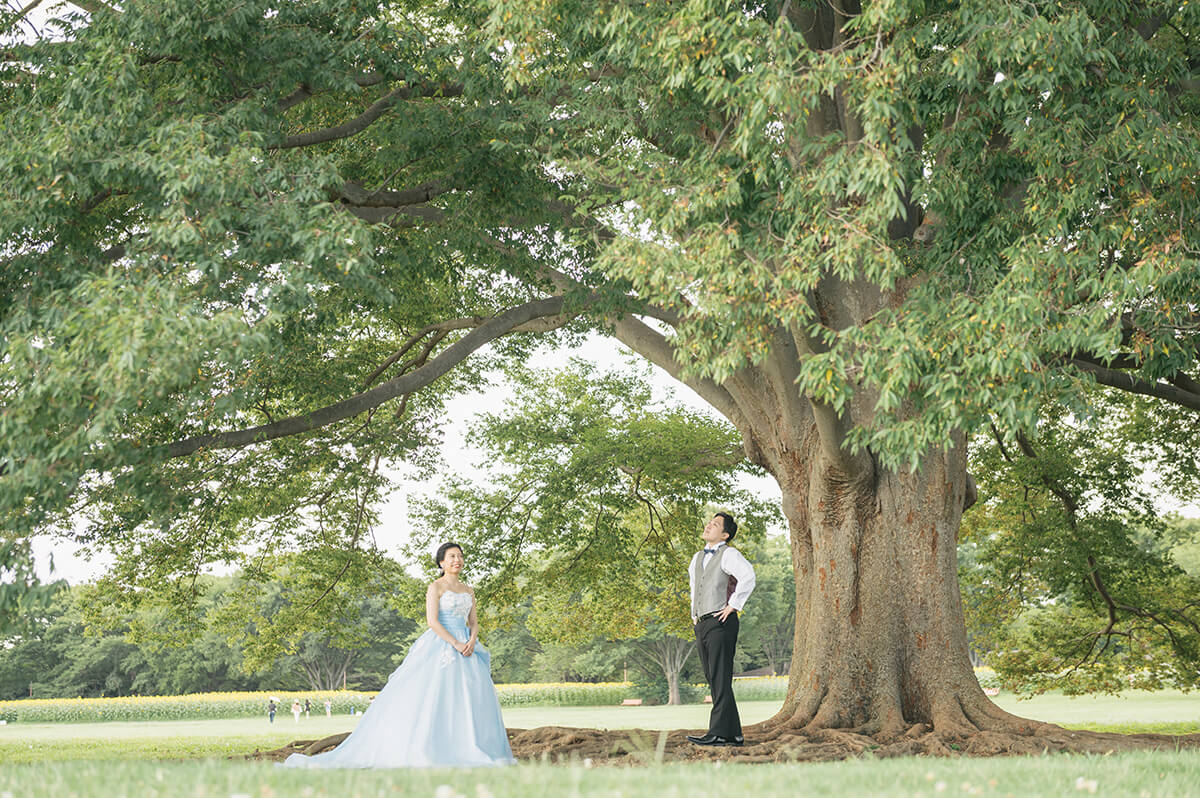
62	654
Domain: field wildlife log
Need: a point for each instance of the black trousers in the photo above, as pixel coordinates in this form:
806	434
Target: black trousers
715	642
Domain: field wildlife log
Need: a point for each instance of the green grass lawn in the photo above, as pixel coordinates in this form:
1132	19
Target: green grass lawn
1162	707
37	742
1168	711
1141	774
187	758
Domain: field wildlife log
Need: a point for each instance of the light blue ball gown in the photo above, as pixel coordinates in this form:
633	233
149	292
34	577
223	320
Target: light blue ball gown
438	709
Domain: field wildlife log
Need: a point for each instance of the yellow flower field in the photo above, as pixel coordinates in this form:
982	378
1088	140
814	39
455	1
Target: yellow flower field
250	704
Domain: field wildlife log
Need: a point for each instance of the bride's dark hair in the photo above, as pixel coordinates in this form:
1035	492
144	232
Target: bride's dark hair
441	555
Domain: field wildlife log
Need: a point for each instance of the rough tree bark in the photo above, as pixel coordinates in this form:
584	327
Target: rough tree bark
880	641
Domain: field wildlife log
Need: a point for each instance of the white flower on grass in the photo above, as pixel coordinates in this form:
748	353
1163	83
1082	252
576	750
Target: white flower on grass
939	787
446	791
587	762
1086	784
482	791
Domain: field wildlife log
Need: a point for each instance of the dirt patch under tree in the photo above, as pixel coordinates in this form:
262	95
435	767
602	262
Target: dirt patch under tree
641	746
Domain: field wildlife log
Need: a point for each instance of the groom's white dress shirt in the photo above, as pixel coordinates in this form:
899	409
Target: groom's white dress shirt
735	564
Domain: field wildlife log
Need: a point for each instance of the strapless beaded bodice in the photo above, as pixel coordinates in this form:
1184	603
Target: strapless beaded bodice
455	608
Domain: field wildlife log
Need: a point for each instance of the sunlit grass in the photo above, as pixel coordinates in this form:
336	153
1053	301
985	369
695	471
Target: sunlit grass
146	759
1136	774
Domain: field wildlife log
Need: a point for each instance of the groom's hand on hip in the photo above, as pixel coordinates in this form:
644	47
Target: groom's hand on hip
725	612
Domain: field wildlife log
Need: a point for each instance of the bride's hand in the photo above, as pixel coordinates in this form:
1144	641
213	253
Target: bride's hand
468	648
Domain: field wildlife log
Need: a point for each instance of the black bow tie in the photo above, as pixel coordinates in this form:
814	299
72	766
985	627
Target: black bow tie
710	551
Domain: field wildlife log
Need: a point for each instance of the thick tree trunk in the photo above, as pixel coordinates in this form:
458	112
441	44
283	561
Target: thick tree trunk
327	673
880	643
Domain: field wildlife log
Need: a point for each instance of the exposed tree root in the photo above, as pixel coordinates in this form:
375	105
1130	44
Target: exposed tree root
306	747
639	746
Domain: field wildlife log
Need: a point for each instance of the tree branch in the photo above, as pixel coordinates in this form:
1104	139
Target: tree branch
831	427
539	325
302	93
399	353
1070	503
95	6
781	368
404	384
353	193
410	216
33	4
1132	384
657	349
377	109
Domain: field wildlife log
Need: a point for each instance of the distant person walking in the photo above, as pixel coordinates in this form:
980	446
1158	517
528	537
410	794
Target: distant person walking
328	708
271	711
296	709
307	707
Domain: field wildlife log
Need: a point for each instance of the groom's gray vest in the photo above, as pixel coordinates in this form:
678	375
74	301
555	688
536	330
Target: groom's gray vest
713	586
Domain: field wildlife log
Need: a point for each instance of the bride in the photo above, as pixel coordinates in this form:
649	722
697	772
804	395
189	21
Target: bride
439	708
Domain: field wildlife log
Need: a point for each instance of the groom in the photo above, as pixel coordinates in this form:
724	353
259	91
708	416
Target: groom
721	581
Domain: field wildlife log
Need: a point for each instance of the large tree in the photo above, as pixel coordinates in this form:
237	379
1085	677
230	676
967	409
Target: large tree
239	240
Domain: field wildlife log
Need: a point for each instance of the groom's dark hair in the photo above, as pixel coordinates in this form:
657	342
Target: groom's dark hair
730	526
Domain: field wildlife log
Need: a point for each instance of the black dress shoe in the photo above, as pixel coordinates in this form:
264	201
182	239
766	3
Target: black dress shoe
712	739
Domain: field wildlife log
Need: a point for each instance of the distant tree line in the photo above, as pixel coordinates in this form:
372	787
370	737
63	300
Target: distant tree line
58	655
62	654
